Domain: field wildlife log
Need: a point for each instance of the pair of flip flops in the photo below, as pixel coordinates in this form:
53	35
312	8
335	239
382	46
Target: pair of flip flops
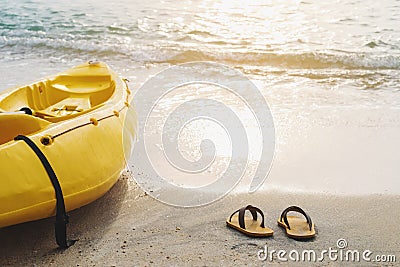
295	227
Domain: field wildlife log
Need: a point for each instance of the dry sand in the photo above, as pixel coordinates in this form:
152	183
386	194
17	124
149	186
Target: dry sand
126	227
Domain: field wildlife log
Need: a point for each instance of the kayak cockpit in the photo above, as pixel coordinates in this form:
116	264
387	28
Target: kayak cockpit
66	95
12	125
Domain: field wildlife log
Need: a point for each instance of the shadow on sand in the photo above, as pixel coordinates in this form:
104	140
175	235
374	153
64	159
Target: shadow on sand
36	239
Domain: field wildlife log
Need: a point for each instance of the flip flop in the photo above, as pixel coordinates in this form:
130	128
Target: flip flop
249	226
296	227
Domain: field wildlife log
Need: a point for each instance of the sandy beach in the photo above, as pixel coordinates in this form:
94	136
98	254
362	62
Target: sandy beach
328	169
128	228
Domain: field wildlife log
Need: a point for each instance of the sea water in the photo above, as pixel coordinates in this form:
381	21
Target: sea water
328	69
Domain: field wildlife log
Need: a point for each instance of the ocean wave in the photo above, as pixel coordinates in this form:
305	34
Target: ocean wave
300	60
176	53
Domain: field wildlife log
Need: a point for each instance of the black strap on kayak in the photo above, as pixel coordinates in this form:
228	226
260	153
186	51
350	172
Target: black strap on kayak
61	214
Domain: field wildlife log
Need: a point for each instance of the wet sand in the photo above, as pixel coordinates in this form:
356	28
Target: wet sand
126	227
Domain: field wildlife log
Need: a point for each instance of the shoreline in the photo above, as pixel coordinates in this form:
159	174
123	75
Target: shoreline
127	227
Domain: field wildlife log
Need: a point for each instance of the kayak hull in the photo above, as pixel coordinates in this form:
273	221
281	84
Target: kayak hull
85	150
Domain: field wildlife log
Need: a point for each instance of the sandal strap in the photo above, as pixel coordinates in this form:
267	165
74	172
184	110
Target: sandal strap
298	209
253	210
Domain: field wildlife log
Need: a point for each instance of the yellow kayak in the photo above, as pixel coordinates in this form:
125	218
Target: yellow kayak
75	119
